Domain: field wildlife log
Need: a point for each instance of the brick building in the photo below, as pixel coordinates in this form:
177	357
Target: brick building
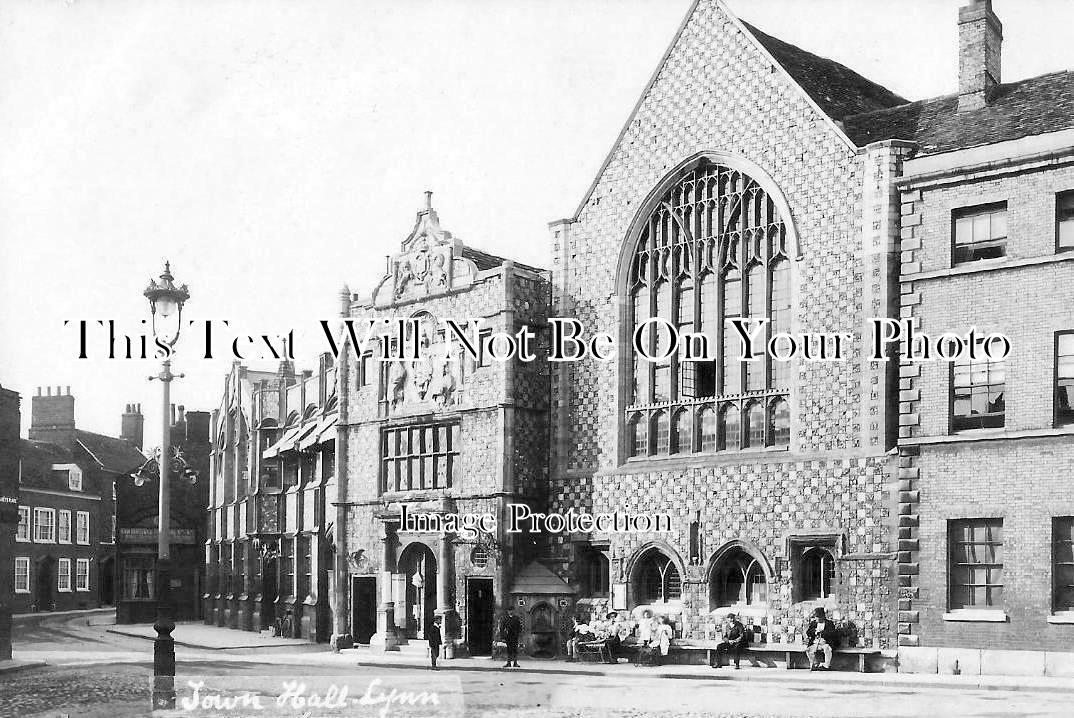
733	191
137	513
273	480
9	510
65	548
443	437
986	447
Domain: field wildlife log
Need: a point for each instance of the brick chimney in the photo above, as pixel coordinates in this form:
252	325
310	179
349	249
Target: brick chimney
131	424
980	35
52	416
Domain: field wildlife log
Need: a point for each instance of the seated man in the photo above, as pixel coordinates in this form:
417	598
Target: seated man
613	626
735	641
821	636
577	635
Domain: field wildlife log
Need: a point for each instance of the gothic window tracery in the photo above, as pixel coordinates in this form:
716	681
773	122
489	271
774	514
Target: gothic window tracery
715	247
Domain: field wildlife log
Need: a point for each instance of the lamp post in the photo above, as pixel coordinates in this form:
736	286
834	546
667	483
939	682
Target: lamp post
166	308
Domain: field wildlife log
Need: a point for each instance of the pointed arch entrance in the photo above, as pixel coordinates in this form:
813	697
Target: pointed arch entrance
738	578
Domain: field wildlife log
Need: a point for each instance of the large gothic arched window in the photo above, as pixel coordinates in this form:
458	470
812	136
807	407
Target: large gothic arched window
714	248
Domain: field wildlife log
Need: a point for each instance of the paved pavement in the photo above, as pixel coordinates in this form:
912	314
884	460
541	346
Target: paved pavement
198	635
96	674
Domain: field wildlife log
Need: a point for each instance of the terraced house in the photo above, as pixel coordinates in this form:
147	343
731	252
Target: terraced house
64	554
986	506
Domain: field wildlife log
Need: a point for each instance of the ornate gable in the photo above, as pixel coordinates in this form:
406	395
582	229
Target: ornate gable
429	263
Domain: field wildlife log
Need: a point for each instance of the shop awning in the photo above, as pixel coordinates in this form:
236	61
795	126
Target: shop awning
325	431
283	444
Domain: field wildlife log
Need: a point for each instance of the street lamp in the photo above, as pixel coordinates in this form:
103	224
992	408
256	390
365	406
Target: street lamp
166	307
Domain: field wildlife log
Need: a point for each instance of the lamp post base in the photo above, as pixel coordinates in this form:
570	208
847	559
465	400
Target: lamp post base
163	644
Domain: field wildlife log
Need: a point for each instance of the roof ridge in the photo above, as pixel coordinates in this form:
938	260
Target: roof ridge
951	95
757	31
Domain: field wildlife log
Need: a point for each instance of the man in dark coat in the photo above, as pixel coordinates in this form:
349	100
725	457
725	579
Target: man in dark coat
435	641
735	641
821	636
510	630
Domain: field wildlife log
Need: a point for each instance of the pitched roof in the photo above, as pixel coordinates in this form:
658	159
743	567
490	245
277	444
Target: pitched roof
484	260
116	455
37	458
1017	109
536	578
837	90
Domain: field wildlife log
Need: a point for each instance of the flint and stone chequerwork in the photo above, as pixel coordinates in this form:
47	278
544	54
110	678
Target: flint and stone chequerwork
271	526
924	505
466	436
731	193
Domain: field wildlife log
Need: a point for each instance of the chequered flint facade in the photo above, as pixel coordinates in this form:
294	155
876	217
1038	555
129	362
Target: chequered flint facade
462	437
752	180
720	97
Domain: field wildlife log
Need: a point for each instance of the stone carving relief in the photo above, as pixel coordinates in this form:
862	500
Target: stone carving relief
429	379
424	266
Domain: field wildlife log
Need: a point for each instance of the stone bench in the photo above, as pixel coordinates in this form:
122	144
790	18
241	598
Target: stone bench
787	651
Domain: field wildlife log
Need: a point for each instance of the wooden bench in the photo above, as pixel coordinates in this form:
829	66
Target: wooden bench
786	650
594	649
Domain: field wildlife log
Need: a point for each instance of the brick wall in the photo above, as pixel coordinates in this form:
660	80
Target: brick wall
1021	473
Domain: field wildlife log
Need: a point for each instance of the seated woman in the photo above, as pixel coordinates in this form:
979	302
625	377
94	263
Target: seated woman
664	634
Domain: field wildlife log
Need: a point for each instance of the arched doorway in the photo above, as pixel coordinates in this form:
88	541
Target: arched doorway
738	579
44	597
418	564
655	579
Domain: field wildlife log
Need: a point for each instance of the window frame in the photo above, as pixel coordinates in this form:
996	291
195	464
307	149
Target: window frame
44	511
61	574
1056	541
664	575
1060	220
59	526
596	573
1056	421
953	421
81	563
78	528
28	537
971	211
804	585
399	469
989	523
21	561
717	238
746	565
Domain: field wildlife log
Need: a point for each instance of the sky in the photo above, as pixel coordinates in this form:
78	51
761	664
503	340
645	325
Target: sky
273	151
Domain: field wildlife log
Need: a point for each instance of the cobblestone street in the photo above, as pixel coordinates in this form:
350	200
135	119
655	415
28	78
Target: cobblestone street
95	674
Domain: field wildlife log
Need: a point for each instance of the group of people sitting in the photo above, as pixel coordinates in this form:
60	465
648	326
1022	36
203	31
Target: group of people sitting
605	637
653	636
821	638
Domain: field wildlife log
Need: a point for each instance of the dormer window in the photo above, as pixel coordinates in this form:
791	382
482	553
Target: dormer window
70	474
